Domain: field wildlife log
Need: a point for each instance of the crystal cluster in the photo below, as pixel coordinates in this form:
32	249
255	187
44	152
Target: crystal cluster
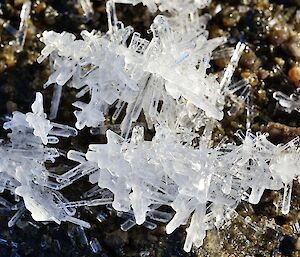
206	183
133	85
22	167
136	73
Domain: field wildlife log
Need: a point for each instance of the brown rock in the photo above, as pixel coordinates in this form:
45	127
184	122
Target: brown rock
294	75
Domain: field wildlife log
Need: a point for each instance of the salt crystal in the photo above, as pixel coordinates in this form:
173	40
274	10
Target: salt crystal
16	217
128	224
87	8
232	65
55	101
22	32
37	119
95	245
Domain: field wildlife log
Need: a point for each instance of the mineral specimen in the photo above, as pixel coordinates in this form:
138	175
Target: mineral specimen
164	101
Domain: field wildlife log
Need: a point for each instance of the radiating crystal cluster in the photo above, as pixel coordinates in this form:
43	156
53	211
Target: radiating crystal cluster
116	70
136	85
206	183
22	165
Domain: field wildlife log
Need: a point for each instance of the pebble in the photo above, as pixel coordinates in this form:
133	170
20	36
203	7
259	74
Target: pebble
294	75
18	2
250	61
293	45
11	107
231	16
263	74
262	95
279	61
297	245
278	35
40	7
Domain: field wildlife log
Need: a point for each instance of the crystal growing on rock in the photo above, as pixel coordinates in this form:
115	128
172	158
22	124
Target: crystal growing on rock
158	105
